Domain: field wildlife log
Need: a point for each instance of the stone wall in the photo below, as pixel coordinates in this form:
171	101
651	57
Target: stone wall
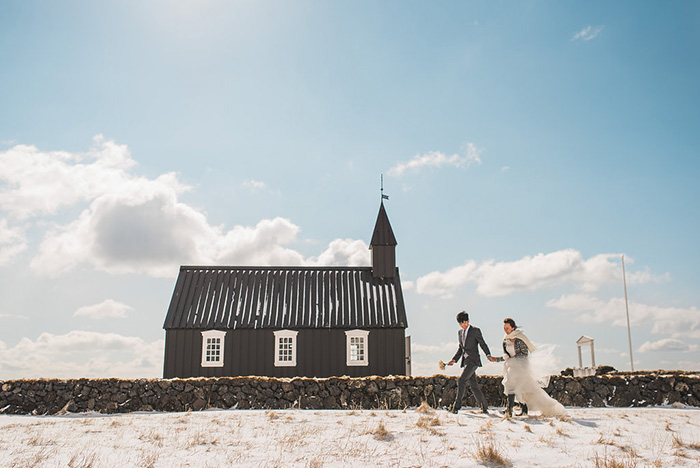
395	392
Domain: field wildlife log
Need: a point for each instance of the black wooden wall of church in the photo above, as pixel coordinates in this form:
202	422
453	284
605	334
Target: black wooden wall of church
320	353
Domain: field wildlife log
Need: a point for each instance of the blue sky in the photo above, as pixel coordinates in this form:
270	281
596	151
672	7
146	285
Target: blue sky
525	147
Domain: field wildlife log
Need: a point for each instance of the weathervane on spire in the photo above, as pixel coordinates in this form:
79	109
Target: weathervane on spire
384	197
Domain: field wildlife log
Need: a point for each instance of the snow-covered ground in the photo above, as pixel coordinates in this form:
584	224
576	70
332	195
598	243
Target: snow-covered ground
602	437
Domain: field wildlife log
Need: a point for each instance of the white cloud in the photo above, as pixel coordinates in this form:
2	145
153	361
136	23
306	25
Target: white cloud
444	284
667	344
39	183
154	234
13	316
12	242
259	245
131	224
437	159
254	184
105	309
530	273
82	354
443	348
343	252
674	321
145	230
587	33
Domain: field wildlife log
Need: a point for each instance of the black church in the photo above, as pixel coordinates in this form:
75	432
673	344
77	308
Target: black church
290	321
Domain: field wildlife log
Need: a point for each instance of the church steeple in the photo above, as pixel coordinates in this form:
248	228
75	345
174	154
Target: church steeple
383	247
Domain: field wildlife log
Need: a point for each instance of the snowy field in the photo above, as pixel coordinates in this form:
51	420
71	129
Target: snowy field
595	437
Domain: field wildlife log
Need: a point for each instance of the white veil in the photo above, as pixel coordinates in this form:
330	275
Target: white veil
543	363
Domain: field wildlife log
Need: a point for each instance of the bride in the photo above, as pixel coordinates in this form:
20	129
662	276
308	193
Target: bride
519	383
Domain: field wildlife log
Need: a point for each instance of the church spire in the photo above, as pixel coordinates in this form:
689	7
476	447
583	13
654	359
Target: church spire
383	244
383	234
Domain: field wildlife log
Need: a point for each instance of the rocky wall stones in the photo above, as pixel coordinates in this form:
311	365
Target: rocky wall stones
47	396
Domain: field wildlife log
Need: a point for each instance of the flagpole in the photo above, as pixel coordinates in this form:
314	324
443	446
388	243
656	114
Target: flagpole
627	312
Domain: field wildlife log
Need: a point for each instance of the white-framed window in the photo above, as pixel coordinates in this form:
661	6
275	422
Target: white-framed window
213	348
357	349
285	348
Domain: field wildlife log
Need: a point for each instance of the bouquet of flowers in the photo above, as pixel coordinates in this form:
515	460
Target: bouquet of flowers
441	365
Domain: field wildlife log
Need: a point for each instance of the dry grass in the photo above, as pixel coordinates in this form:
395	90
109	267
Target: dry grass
429	423
630	450
488	453
693	445
425	408
678	445
149	458
426	421
609	441
486	428
83	459
527	428
677	442
561	432
611	462
603	440
152	436
382	433
32	460
202	438
37	440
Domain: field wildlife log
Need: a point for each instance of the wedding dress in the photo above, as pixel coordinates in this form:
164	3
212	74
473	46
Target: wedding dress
520	380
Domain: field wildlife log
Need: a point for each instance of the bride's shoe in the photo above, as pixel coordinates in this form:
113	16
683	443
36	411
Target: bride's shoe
523	409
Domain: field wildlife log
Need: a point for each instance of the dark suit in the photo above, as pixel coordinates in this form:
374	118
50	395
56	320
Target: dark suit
468	352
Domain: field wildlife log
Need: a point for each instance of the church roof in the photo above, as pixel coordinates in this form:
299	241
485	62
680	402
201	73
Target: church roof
210	297
383	234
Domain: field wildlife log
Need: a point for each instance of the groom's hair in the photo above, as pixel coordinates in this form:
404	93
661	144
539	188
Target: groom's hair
462	317
510	322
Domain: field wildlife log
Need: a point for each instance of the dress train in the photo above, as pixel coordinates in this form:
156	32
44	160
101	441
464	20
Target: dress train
518	379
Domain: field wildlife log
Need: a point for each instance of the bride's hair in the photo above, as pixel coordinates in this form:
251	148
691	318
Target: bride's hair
510	322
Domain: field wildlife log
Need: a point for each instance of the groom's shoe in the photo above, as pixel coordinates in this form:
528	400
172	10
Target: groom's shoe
454	410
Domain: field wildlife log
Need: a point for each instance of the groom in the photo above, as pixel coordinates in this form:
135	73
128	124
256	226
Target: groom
469	341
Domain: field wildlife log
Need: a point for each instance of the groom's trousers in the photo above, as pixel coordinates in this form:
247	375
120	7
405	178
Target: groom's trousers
469	375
